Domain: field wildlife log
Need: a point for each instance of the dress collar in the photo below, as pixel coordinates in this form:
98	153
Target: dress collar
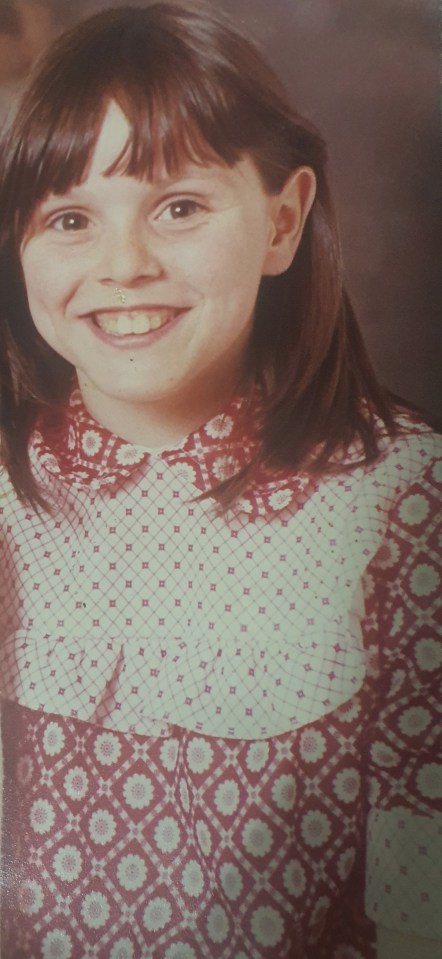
72	448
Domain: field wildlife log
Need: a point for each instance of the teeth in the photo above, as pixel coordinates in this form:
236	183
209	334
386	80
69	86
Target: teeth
124	324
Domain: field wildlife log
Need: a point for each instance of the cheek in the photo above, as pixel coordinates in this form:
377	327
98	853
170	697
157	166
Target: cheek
232	269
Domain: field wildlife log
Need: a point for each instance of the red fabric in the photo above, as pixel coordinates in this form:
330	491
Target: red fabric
179	845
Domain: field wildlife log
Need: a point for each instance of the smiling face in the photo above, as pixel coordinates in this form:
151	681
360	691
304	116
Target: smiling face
148	288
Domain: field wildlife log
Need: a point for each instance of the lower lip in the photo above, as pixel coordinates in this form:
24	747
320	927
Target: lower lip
133	341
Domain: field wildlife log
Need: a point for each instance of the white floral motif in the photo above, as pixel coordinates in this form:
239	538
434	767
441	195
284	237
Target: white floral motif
217	924
168	753
414	509
50	463
257	837
128	455
231	880
397	680
424	580
182	473
383	755
219	427
267	926
76	783
244	504
180	950
284	792
294	878
95	910
167	834
397	622
373	667
224	467
42	816
184	795
414	720
204	837
312	745
67	863
227	797
437	471
193	880
56	945
429	780
347	784
345	863
428	653
91	442
157	914
349	710
72	438
122	949
53	739
199	755
368	585
388	555
319	912
25	769
102	827
107	749
315	828
131	872
31	897
281	498
374	791
257	756
138	791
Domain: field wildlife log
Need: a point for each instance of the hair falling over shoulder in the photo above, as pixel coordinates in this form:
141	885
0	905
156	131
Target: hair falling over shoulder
192	88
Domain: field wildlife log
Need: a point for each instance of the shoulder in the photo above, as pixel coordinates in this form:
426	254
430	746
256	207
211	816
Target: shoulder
409	461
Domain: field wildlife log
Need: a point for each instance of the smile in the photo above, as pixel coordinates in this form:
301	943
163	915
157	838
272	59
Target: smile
133	322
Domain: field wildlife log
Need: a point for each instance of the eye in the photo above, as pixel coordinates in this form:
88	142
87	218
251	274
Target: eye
180	210
70	222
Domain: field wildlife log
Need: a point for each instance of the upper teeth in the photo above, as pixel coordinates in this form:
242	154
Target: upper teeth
122	324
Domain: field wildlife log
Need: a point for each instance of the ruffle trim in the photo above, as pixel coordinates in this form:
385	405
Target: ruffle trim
256	692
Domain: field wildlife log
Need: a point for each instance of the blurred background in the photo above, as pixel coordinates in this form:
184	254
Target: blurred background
367	73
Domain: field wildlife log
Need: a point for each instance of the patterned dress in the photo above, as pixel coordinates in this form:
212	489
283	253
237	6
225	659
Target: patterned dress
221	732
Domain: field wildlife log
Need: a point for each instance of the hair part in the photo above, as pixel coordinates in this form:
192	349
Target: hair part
193	89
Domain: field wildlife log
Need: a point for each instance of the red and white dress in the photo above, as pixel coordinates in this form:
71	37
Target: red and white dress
221	733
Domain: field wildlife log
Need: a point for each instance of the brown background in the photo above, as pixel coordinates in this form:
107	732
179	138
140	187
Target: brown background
367	72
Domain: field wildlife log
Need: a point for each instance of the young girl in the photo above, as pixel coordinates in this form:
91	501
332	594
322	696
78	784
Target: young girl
219	595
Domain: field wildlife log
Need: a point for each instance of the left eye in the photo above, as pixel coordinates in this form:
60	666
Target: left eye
70	222
180	210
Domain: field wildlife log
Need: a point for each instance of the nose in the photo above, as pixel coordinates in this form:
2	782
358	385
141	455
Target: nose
127	256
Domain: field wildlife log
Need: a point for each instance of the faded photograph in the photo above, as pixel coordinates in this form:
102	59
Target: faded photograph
220	481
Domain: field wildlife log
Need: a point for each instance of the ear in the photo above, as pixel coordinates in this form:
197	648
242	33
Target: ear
289	211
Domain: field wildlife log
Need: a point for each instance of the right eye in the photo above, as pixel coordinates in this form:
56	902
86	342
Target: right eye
70	222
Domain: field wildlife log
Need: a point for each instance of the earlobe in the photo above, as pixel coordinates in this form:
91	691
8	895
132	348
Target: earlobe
291	208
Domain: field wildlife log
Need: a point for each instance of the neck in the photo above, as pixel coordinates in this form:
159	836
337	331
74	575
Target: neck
157	423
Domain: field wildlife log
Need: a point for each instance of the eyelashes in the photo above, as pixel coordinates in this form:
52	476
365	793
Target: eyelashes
70	222
180	209
175	211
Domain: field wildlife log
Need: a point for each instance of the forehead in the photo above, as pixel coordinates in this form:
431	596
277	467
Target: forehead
112	139
113	142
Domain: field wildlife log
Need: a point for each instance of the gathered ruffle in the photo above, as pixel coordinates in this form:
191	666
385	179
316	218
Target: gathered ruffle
258	690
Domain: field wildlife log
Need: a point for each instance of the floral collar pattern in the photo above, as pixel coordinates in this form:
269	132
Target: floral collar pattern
76	450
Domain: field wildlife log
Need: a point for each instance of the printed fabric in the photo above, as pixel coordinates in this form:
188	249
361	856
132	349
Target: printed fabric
221	732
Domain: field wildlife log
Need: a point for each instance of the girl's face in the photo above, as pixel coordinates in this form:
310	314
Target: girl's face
148	288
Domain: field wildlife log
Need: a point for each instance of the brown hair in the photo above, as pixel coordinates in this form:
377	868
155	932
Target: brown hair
187	80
